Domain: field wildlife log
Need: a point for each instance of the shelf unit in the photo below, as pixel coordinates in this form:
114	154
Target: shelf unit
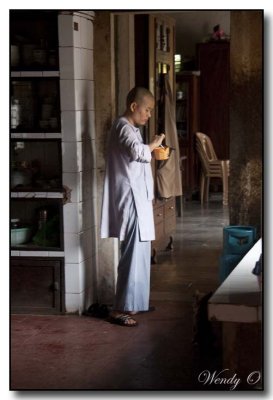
37	266
64	61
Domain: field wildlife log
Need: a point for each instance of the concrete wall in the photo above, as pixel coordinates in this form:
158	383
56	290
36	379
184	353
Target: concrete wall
246	118
124	58
105	112
114	72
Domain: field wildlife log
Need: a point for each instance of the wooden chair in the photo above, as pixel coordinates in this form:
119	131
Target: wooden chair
212	167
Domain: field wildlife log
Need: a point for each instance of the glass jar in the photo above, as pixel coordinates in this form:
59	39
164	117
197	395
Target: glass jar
15	113
42	218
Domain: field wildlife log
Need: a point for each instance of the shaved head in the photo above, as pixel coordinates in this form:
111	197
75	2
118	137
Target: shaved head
137	95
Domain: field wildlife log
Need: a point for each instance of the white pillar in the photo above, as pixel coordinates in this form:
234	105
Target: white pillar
79	161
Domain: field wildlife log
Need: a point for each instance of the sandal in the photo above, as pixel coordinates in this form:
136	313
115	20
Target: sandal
123	320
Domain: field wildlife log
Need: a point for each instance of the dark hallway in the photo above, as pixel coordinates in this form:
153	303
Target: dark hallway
72	352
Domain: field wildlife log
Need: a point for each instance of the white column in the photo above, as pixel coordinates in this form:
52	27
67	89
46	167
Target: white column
79	161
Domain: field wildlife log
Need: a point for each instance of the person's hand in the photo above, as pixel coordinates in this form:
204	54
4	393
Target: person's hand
157	140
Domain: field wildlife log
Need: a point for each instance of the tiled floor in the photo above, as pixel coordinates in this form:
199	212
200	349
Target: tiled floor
71	352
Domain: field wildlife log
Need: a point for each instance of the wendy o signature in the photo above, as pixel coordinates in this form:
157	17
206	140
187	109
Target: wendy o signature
208	378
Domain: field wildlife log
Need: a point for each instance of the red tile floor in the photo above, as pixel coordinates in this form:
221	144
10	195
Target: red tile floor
78	352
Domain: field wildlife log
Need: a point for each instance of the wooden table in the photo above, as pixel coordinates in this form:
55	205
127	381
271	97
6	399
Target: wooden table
237	303
239	298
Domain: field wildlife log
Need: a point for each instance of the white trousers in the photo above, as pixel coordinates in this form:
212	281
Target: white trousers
133	283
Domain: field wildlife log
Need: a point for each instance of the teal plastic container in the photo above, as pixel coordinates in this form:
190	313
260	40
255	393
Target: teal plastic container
238	239
227	264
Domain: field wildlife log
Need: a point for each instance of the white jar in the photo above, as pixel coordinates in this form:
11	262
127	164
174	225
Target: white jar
15	113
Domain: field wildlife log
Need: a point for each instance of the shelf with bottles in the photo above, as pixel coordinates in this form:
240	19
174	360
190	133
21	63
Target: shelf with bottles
36	166
163	32
34	40
35	105
36	224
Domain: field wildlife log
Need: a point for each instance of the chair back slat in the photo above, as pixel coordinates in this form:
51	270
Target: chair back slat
210	164
202	156
207	146
212	167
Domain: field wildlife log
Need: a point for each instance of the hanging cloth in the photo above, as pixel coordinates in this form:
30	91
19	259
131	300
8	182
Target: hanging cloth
168	176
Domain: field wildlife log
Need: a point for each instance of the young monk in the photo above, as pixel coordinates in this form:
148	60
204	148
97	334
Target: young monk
127	211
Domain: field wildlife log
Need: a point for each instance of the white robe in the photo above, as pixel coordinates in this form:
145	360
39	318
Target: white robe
128	174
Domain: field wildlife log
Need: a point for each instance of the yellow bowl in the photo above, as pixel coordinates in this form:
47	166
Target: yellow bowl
162	153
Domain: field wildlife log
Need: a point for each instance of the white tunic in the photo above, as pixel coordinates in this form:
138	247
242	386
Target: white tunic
128	173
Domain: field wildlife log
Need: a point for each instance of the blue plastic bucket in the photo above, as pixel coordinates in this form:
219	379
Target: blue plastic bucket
227	264
238	239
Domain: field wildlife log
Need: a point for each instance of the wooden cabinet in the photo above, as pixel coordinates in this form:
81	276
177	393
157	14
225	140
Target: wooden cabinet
154	56
165	223
37	285
169	217
164	217
214	64
187	121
